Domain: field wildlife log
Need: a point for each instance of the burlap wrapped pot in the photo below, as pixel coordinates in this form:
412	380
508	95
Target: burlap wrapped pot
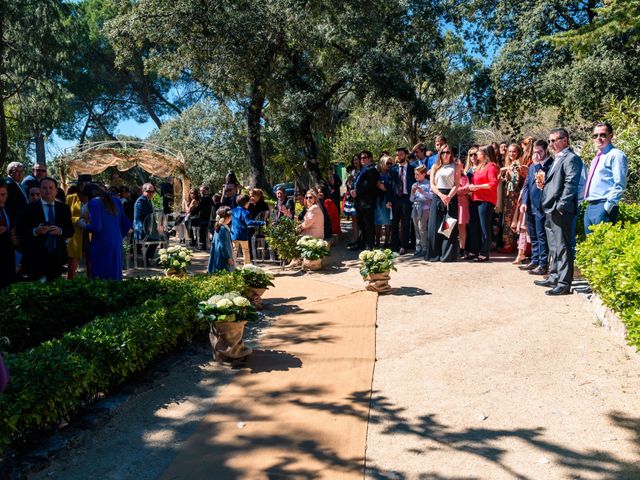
378	282
226	341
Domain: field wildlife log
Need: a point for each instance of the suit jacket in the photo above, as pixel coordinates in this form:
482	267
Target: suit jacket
560	192
395	181
366	187
141	210
531	194
34	248
16	198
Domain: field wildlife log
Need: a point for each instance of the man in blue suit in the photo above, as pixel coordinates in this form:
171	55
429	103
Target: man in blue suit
530	205
401	179
141	210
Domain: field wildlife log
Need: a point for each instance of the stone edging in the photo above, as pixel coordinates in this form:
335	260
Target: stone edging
606	318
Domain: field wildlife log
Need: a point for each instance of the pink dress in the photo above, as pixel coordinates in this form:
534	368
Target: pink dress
463	200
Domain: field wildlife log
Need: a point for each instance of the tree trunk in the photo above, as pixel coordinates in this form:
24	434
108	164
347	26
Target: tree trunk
41	156
311	152
257	176
4	139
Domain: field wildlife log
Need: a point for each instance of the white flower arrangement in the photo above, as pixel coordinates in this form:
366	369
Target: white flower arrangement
311	248
230	307
377	261
176	258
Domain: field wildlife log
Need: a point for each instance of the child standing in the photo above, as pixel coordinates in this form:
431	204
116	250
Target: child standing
241	221
421	196
221	257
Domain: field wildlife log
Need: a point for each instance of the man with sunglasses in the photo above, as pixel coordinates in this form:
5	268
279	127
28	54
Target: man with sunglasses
33	180
559	202
401	176
606	181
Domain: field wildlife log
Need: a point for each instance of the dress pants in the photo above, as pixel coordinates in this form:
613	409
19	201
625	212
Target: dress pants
595	214
558	228
401	209
539	248
366	225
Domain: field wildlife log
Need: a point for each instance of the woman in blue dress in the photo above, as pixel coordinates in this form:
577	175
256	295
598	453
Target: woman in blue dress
221	257
108	225
382	212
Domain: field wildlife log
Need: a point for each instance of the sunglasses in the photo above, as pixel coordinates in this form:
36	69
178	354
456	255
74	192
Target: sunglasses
599	135
554	140
151	191
446	153
390	164
310	198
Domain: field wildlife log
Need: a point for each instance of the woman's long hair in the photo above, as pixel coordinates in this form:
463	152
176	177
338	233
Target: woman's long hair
93	190
489	155
469	165
439	162
527	147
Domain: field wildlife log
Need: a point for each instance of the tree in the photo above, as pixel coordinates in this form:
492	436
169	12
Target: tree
32	48
530	70
210	136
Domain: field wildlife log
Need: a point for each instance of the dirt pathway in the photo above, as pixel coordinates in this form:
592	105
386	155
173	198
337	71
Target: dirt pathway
479	375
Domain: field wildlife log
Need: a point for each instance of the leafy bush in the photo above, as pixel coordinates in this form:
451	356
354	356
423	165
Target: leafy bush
56	378
609	259
31	313
281	236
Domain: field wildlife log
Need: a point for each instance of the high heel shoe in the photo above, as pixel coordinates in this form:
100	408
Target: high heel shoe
519	259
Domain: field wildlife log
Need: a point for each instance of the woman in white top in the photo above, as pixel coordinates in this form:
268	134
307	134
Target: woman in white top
445	180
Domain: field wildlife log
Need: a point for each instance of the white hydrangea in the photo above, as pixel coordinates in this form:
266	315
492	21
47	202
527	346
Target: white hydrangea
187	258
379	256
163	257
241	302
224	303
162	251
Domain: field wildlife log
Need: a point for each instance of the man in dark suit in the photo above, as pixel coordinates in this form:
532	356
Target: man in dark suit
42	228
141	210
7	247
17	198
530	205
365	193
560	204
33	180
401	179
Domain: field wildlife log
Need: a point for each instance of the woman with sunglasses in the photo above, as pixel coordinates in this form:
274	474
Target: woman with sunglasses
445	181
484	195
313	222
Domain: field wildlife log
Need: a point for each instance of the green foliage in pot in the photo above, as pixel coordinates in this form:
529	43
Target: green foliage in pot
311	248
254	276
281	237
377	261
230	307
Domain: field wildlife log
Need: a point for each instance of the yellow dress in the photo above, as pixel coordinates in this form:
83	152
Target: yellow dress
74	246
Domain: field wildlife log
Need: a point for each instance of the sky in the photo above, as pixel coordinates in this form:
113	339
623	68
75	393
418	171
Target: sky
57	145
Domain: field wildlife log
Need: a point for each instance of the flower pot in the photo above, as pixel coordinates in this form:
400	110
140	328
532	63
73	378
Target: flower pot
312	264
254	295
172	272
226	341
378	282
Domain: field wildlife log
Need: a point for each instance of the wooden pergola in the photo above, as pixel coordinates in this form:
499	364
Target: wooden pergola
95	157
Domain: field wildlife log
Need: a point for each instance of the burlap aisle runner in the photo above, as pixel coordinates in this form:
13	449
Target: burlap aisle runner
300	408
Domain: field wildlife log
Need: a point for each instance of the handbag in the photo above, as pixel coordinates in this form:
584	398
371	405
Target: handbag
447	226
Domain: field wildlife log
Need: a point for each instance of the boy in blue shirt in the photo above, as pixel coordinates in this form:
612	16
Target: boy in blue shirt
240	222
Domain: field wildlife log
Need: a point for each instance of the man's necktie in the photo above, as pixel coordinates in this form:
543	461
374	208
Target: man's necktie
402	180
51	219
592	170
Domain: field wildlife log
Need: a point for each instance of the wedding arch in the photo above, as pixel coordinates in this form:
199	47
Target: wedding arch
95	157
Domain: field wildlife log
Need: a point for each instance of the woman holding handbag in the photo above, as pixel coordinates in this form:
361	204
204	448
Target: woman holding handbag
442	234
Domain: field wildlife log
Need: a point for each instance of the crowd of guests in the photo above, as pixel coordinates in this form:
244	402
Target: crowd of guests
521	197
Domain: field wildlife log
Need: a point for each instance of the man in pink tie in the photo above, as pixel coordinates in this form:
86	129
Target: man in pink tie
606	181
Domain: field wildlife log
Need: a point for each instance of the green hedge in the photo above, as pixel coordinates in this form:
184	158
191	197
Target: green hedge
32	312
610	260
629	213
54	379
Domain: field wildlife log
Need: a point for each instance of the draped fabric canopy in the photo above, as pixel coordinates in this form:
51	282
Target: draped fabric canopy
95	158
